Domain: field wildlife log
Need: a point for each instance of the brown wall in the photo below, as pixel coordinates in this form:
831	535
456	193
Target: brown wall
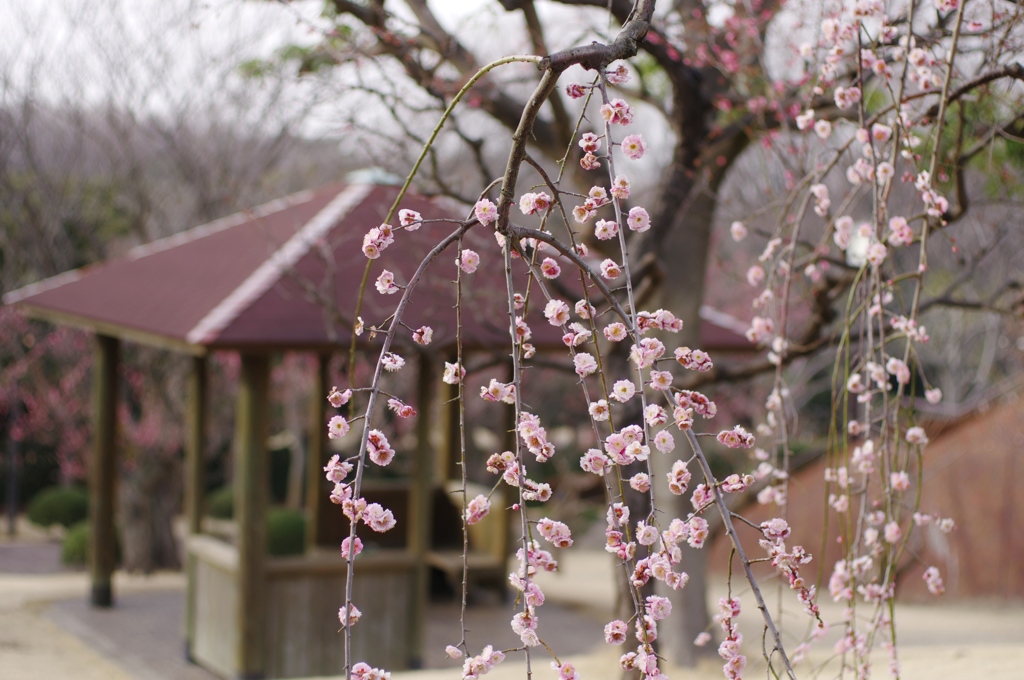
973	473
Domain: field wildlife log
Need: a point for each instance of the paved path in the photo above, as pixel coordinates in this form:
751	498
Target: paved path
31	558
47	630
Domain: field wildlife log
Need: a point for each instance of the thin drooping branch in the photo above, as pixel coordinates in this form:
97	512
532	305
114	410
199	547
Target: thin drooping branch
371	403
726	515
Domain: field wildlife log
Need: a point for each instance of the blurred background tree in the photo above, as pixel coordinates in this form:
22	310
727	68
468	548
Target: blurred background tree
141	126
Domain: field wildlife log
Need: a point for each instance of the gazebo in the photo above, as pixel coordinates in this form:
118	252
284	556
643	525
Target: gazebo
284	277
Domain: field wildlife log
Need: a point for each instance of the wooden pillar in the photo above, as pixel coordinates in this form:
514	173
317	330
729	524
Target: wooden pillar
251	492
501	502
12	469
448	451
103	470
195	484
421	507
316	457
195	446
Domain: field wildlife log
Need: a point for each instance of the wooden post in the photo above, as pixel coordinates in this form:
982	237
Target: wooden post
251	492
103	470
195	484
12	469
195	446
316	457
421	508
447	460
501	501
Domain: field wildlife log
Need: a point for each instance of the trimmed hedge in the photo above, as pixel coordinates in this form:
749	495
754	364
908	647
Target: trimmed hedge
75	551
220	504
65	506
286	532
286	529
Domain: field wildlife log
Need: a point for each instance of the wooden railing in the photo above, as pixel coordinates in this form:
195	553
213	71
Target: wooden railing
303	595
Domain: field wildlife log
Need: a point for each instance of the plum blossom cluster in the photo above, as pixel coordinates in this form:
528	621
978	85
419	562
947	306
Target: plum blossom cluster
882	139
375	516
648	547
632	415
788	563
729	649
514	474
477	509
363	671
481	664
531	560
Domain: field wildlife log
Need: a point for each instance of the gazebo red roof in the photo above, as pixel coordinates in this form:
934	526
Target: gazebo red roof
266	279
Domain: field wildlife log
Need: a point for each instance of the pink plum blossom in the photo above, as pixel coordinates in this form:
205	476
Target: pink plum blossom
423	335
410	219
549	268
392	362
402	410
599	410
531	204
486	212
386	283
933	580
345	545
337	470
556	312
337	427
915	435
615	332
620	187
554	532
377	518
623	391
617	112
477	509
638	219
338	399
349	616
575	90
634	146
605	230
585	364
378	448
453	373
736	438
615	632
738	231
469	261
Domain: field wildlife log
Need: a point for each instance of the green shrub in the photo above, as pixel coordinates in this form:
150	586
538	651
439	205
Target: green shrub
286	532
59	505
220	504
75	551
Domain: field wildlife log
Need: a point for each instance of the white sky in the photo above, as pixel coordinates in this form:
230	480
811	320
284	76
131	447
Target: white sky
93	50
153	57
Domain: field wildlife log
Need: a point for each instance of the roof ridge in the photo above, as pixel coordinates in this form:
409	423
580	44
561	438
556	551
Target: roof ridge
271	270
219	224
49	283
165	243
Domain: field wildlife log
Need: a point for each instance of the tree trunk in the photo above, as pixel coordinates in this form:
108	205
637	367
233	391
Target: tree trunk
150	498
